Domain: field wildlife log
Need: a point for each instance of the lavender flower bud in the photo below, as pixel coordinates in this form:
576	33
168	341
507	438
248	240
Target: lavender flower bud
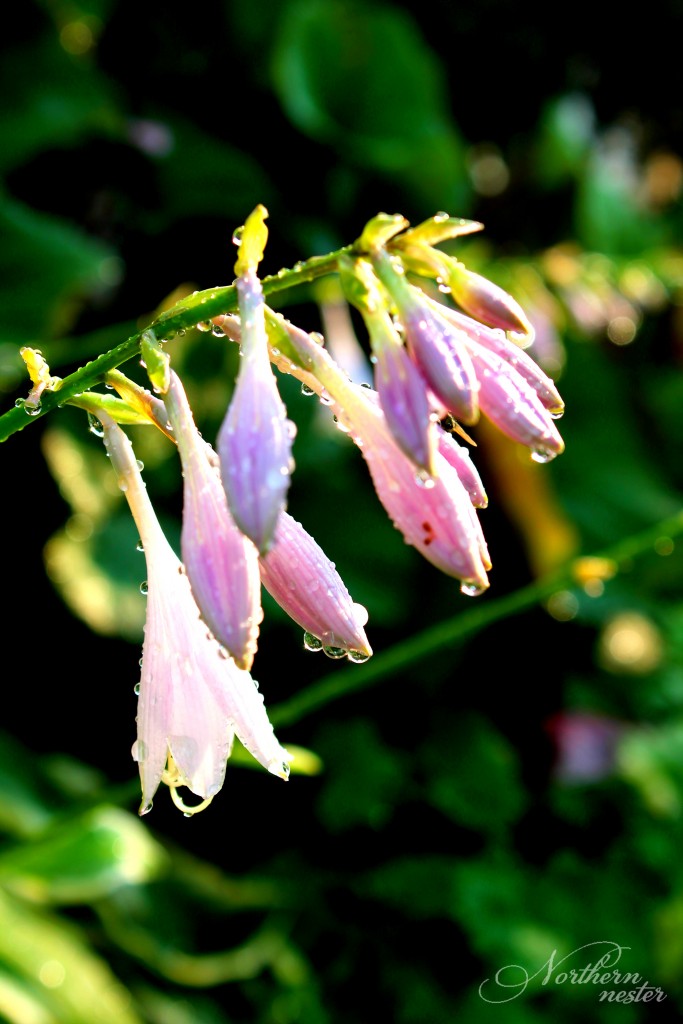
303	581
221	563
255	439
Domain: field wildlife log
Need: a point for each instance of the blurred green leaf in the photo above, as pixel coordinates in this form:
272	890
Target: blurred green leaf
205	175
362	79
488	797
83	859
69	983
365	779
66	101
38	248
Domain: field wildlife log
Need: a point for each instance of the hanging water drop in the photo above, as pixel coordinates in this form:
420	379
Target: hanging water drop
335	652
311	642
305	390
543	455
471	589
136	689
144	587
358	657
217	331
94	425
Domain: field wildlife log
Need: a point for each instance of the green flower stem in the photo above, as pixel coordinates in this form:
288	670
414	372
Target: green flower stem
201	306
454	631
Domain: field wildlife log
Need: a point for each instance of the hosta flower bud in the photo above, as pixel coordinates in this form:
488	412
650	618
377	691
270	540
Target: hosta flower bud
221	563
435	346
303	581
486	301
255	440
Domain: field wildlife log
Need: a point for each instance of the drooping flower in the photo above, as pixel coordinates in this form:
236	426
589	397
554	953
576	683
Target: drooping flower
192	696
303	581
435	514
402	392
436	347
459	458
255	439
514	393
485	301
221	562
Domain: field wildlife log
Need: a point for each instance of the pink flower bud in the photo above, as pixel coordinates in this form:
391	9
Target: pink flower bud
221	563
303	581
486	301
255	440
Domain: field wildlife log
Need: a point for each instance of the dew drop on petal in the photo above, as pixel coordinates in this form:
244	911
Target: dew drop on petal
305	390
311	643
136	689
470	589
335	652
144	587
358	657
94	425
543	455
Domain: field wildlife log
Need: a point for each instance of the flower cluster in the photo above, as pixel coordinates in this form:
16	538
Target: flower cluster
438	363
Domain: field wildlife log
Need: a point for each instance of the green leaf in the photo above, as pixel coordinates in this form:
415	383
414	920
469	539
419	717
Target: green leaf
52	962
488	798
83	859
66	101
363	80
38	248
365	779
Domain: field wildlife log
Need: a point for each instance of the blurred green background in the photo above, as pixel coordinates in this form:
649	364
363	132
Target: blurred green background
499	799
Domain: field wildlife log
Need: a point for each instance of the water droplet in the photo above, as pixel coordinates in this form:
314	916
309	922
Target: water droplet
146	809
136	689
311	643
557	414
123	484
335	652
182	332
140	464
31	409
317	337
358	657
471	589
204	326
305	390
19	403
144	587
543	455
94	425
139	546
423	479
217	331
